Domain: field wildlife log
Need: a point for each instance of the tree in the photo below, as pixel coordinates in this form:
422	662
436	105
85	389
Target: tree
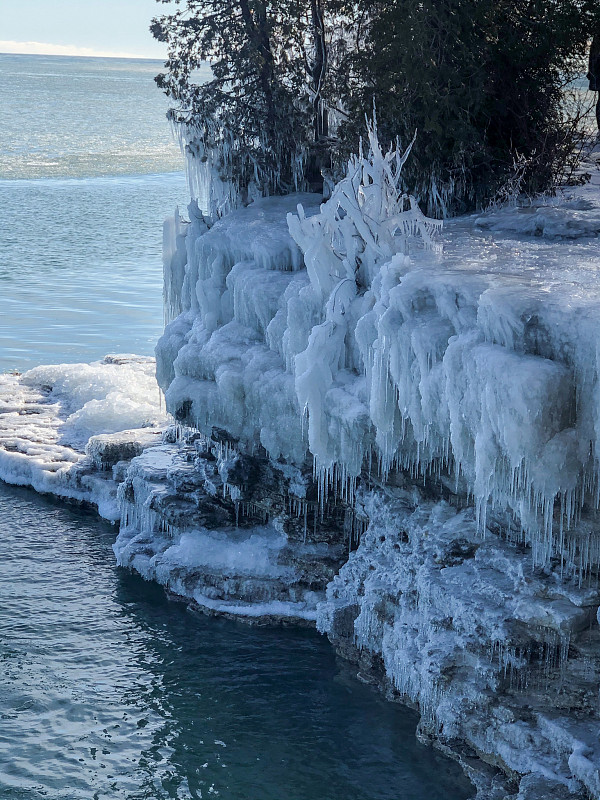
484	83
255	122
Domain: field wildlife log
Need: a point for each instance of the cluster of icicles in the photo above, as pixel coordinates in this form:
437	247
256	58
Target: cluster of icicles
391	366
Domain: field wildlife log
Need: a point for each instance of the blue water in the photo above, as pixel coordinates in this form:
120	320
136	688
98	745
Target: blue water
110	691
88	172
107	690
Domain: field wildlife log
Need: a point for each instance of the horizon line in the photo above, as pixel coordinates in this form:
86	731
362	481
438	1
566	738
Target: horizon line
13	48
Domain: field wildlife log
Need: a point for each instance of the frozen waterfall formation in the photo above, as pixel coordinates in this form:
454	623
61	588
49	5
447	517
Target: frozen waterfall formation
437	416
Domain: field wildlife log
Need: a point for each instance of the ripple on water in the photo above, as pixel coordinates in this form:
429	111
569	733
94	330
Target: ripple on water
109	691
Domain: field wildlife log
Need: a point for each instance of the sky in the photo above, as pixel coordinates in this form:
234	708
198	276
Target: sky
80	27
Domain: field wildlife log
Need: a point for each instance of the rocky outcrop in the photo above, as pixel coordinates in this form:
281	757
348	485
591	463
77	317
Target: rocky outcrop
431	423
496	655
225	529
402	450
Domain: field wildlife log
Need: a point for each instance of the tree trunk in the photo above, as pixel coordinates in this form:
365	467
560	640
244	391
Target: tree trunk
319	68
258	36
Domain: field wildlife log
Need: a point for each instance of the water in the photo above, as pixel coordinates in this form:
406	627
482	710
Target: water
110	691
88	172
107	690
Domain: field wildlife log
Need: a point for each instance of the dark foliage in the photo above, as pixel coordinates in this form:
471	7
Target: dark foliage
261	110
485	84
482	81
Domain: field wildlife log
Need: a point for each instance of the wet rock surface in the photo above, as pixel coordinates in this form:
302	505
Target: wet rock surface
221	528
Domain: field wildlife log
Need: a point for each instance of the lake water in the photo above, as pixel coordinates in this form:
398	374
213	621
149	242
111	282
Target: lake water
110	691
107	690
88	172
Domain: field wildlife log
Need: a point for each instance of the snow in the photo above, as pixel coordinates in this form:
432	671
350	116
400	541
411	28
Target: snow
57	422
478	362
115	394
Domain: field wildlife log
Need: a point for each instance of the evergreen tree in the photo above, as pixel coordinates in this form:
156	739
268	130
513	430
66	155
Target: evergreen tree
483	82
261	112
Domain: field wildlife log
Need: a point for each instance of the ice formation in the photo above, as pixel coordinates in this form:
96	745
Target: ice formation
377	351
205	164
210	525
58	423
464	628
349	346
397	441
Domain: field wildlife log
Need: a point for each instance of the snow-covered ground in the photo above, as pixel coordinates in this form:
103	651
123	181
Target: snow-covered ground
387	428
57	423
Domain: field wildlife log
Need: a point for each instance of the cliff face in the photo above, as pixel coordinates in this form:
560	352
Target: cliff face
401	443
497	656
343	337
393	440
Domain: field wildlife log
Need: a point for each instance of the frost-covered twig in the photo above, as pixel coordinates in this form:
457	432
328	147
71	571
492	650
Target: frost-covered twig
361	228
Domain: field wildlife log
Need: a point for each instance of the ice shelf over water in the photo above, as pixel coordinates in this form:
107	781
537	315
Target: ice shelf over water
382	427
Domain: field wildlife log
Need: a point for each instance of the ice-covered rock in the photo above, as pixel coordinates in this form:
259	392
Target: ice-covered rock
382	364
478	365
492	651
217	528
63	427
397	441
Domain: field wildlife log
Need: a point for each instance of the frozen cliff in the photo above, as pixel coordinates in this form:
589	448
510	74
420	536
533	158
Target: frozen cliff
428	400
342	336
380	427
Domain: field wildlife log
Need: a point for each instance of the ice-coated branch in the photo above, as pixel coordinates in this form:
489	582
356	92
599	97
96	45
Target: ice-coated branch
363	225
364	222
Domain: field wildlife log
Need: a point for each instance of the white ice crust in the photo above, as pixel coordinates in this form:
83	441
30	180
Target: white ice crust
53	419
479	363
452	617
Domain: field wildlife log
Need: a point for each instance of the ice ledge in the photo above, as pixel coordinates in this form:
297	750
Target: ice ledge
64	430
477	364
498	656
48	418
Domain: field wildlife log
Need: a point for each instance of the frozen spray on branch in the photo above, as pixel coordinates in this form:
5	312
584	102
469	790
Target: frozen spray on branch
366	223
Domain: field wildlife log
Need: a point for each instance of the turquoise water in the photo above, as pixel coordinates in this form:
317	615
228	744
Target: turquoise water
107	690
88	172
110	691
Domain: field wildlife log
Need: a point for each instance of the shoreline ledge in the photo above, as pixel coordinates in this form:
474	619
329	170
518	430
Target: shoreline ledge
435	513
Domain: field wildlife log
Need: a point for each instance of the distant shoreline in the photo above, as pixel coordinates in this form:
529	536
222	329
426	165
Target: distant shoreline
83	57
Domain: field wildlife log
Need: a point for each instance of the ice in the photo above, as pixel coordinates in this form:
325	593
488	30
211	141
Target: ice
254	554
190	519
220	359
561	217
467	630
58	424
334	369
478	364
174	259
104	397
